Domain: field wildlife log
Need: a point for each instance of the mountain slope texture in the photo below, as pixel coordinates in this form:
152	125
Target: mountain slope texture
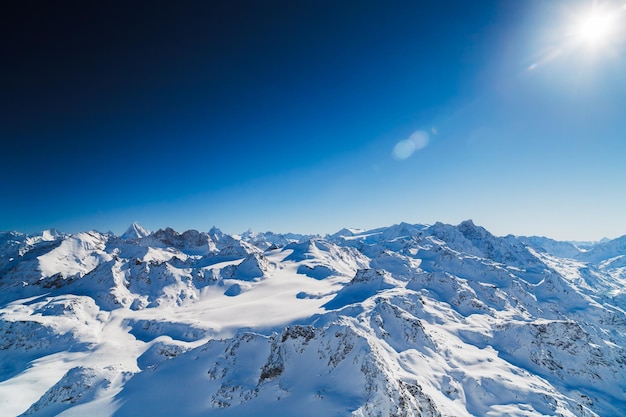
406	320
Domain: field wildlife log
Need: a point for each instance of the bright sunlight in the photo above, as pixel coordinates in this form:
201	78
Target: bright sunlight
596	27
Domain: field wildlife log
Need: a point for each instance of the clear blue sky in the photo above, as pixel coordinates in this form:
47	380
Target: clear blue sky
296	116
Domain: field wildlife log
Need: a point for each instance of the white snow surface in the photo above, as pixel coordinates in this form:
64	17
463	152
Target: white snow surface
406	320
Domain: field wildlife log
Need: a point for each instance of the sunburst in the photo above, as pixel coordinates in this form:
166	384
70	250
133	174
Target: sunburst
596	28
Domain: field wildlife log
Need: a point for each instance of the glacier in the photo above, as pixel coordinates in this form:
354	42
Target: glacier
405	320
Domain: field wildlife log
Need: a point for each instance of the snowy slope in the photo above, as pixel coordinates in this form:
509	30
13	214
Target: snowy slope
406	320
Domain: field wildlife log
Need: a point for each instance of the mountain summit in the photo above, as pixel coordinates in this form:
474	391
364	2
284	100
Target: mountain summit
135	231
405	320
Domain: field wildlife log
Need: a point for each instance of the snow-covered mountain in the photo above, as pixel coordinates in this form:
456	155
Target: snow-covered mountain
406	320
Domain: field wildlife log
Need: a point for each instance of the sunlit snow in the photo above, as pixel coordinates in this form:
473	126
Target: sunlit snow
405	320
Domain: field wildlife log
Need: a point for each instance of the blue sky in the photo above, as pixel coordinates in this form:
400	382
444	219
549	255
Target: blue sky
284	116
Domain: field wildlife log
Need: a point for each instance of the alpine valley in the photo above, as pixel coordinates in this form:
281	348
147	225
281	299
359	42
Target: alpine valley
406	320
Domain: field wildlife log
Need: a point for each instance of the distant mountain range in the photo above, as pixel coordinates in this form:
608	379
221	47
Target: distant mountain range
406	320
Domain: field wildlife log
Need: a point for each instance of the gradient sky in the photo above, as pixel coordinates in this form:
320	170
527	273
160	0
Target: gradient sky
297	116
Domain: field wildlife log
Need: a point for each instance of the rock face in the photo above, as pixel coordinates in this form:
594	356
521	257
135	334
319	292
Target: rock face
409	320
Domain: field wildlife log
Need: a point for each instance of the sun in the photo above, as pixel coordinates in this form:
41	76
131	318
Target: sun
596	27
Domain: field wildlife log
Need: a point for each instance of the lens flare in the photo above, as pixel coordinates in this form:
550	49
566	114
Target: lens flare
405	148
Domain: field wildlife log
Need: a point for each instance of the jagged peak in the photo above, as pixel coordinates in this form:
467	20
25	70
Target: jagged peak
470	229
215	233
249	234
135	231
50	234
467	223
402	230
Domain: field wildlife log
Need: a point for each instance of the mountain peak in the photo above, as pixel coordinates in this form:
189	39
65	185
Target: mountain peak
467	223
50	234
215	233
135	231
